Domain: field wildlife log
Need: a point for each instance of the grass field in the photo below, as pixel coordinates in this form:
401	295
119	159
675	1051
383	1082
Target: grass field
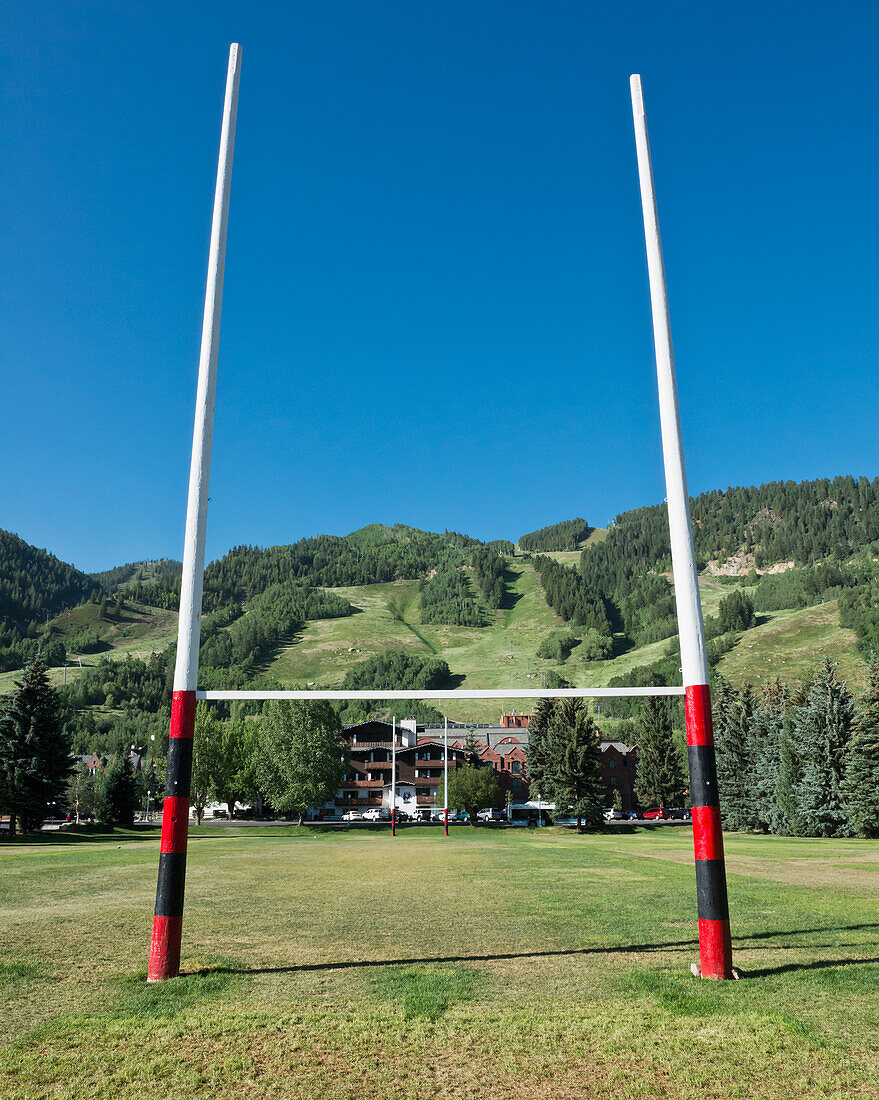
491	965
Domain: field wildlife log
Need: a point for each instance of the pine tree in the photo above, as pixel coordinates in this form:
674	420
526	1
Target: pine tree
116	794
766	733
861	785
661	780
823	730
34	751
578	787
540	770
733	745
788	820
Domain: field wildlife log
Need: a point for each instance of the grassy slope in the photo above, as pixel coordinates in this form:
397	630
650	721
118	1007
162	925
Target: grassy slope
534	965
138	631
790	644
791	641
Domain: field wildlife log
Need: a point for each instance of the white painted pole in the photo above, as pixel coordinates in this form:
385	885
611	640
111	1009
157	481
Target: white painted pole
189	629
715	947
446	777
394	776
693	660
446	765
167	922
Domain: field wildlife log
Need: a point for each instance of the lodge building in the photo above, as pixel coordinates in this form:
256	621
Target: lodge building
419	754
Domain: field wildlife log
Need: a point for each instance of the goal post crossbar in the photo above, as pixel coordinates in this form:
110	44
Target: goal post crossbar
451	693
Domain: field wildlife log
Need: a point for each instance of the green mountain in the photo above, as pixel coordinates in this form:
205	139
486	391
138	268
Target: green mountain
34	583
329	610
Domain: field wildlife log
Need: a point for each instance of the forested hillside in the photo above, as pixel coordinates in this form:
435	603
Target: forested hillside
570	534
329	608
34	583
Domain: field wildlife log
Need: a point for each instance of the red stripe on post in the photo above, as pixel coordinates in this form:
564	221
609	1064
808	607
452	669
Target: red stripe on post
183	714
175	824
707	836
697	713
165	948
715	949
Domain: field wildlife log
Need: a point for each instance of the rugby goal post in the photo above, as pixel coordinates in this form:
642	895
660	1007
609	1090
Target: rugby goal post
714	935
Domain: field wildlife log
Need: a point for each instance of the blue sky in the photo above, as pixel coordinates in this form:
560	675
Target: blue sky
436	308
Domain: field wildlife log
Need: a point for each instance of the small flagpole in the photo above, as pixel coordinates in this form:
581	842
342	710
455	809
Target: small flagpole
446	776
394	778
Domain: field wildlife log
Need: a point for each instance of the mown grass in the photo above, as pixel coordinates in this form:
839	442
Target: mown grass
489	964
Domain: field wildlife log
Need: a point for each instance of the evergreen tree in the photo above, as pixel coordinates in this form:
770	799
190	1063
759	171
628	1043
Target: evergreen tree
661	780
538	763
766	733
116	792
578	787
823	730
34	751
735	763
787	821
861	786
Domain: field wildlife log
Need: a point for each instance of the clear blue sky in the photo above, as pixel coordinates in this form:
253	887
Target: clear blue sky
436	307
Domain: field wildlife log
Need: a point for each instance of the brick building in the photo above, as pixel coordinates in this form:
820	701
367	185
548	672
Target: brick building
419	780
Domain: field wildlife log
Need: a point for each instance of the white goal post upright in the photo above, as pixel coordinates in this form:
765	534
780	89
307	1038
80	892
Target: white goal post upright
168	918
715	949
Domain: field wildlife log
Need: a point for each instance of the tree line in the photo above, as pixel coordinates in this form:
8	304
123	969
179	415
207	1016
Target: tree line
802	762
567	535
571	597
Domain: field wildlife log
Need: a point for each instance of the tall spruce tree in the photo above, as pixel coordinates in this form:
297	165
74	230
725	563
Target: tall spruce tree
575	748
116	795
538	762
861	785
822	731
34	751
661	780
766	732
788	821
734	749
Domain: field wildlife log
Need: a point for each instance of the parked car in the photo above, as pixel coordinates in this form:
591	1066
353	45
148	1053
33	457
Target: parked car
423	814
610	814
492	815
352	815
376	814
653	813
677	813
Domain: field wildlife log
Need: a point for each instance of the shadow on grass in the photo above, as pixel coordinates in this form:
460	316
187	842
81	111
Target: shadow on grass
741	943
93	834
355	964
816	964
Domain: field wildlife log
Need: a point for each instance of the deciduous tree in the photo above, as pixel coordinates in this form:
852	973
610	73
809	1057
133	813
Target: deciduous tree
302	755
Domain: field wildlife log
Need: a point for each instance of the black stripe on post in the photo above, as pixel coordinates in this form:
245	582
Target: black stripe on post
178	774
711	890
172	880
703	775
